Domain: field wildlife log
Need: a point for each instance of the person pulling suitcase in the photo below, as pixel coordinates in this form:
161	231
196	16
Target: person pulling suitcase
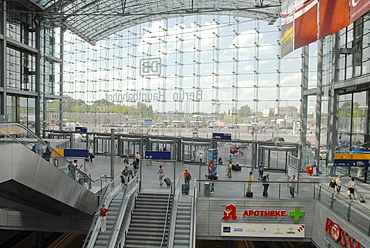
160	175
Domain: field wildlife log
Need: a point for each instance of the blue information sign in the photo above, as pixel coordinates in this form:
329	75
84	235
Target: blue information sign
157	155
221	136
76	153
81	129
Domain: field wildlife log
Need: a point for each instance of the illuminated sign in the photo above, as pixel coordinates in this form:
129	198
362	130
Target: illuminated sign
339	235
230	212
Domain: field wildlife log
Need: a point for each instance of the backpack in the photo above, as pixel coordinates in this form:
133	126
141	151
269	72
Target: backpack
332	184
188	176
125	172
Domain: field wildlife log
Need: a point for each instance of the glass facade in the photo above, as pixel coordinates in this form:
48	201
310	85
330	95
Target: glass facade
32	66
205	66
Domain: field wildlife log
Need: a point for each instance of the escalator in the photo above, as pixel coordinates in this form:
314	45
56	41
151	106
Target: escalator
31	184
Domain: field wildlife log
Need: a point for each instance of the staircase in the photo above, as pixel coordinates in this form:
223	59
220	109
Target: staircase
148	221
103	237
182	228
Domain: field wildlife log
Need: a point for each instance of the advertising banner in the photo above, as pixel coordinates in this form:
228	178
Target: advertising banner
212	161
305	24
358	8
286	40
334	16
263	230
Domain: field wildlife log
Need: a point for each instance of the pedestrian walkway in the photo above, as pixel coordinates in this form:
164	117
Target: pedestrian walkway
102	166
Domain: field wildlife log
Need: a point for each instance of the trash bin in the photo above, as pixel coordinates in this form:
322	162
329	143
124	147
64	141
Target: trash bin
207	189
309	169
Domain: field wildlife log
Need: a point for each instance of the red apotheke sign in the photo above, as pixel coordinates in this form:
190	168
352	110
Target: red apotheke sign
339	235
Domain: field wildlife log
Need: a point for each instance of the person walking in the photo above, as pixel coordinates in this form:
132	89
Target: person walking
125	161
137	157
292	186
91	154
338	183
261	168
131	171
103	217
72	170
332	184
125	175
351	189
187	177
211	177
229	169
160	175
250	180
265	179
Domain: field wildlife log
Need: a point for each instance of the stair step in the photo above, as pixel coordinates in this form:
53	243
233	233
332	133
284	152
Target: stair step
141	213
182	232
153	235
146	227
142	242
154	228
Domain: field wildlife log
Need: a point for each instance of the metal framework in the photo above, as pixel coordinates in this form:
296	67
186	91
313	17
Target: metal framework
94	20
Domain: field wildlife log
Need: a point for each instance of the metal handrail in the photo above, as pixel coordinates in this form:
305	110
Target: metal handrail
112	241
193	215
170	196
95	225
8	124
175	203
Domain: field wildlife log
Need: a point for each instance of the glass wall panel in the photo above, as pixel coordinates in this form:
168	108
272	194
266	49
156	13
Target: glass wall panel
344	121
359	112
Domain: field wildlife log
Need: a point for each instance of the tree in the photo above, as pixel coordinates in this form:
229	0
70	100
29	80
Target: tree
245	111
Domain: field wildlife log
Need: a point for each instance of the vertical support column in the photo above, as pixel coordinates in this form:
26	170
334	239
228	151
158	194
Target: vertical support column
304	103
61	88
333	100
318	102
3	68
112	148
38	79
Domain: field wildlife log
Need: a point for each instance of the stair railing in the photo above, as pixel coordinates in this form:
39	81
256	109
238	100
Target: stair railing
193	219
110	192
16	131
172	227
131	189
170	196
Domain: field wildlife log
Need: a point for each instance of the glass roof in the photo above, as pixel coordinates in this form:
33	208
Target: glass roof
94	20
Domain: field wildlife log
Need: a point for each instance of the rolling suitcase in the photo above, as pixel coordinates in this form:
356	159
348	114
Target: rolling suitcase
167	181
185	189
361	199
249	194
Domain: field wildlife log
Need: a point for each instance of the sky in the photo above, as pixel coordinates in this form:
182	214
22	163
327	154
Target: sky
207	64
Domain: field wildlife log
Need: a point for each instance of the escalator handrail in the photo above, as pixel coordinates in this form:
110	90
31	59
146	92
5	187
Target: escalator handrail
170	196
80	172
112	241
95	224
193	219
172	227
